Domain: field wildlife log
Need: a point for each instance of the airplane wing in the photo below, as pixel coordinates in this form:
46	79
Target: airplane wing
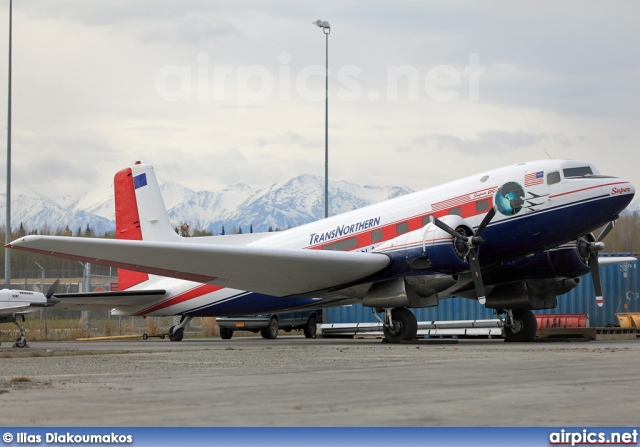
268	270
107	300
14	308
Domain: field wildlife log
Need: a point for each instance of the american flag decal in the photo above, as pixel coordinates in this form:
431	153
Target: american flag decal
535	178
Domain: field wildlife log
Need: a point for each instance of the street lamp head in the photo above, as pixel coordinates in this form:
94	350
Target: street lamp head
323	24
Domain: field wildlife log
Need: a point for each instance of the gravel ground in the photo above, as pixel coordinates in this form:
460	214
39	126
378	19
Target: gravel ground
298	382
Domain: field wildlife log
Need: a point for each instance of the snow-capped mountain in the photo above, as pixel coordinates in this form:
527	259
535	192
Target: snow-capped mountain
36	212
282	205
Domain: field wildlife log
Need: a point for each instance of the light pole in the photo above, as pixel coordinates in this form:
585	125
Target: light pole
42	279
86	288
326	29
7	237
41	288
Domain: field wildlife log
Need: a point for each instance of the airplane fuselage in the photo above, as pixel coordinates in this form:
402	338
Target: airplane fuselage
539	206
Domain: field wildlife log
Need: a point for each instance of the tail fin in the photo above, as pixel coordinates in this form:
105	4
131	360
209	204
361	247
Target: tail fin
140	214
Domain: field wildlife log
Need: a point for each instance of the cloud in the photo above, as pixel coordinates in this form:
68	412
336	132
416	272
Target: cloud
488	142
189	30
288	138
85	100
105	13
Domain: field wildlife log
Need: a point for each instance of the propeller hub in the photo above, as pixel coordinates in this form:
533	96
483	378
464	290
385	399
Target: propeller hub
476	240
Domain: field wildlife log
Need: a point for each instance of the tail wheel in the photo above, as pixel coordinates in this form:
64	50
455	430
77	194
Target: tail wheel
176	335
522	327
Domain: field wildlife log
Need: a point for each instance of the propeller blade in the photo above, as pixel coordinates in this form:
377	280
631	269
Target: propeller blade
52	289
474	263
606	230
477	275
52	300
444	227
490	215
595	276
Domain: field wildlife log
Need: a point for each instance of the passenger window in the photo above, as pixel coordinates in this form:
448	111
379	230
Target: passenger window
455	212
426	220
347	244
376	236
553	177
402	228
482	205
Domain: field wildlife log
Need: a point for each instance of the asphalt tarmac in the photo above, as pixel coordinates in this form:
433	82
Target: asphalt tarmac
293	381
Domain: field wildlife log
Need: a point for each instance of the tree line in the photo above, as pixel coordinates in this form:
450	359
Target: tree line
25	264
625	237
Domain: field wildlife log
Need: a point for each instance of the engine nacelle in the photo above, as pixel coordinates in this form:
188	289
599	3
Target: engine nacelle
561	262
410	291
533	294
428	248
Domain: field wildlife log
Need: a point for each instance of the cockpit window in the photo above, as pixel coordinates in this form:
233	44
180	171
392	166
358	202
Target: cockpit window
553	177
577	172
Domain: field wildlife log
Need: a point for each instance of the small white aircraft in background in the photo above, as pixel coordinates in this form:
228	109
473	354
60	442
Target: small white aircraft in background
512	238
15	304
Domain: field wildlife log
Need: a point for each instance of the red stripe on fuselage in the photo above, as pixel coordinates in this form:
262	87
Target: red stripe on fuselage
389	231
586	189
196	292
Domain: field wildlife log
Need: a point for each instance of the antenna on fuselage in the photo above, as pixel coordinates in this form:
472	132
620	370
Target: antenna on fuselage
548	155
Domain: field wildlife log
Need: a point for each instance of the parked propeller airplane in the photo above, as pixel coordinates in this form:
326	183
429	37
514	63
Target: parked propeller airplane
513	238
15	304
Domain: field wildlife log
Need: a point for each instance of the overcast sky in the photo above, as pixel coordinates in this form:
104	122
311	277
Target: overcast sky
214	93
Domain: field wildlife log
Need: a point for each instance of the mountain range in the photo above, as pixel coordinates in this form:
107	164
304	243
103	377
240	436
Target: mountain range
239	206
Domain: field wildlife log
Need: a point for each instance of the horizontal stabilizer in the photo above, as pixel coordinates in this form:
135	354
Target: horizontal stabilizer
610	260
108	300
110	295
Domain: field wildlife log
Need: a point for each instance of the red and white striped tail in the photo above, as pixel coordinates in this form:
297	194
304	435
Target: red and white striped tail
140	214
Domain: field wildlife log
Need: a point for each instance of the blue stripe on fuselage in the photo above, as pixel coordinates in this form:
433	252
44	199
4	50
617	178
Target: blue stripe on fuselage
248	303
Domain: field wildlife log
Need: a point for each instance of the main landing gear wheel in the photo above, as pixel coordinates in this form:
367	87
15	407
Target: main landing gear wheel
225	333
520	326
403	326
176	334
21	342
271	331
311	328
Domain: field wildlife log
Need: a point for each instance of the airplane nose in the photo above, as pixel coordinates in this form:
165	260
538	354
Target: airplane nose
620	190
